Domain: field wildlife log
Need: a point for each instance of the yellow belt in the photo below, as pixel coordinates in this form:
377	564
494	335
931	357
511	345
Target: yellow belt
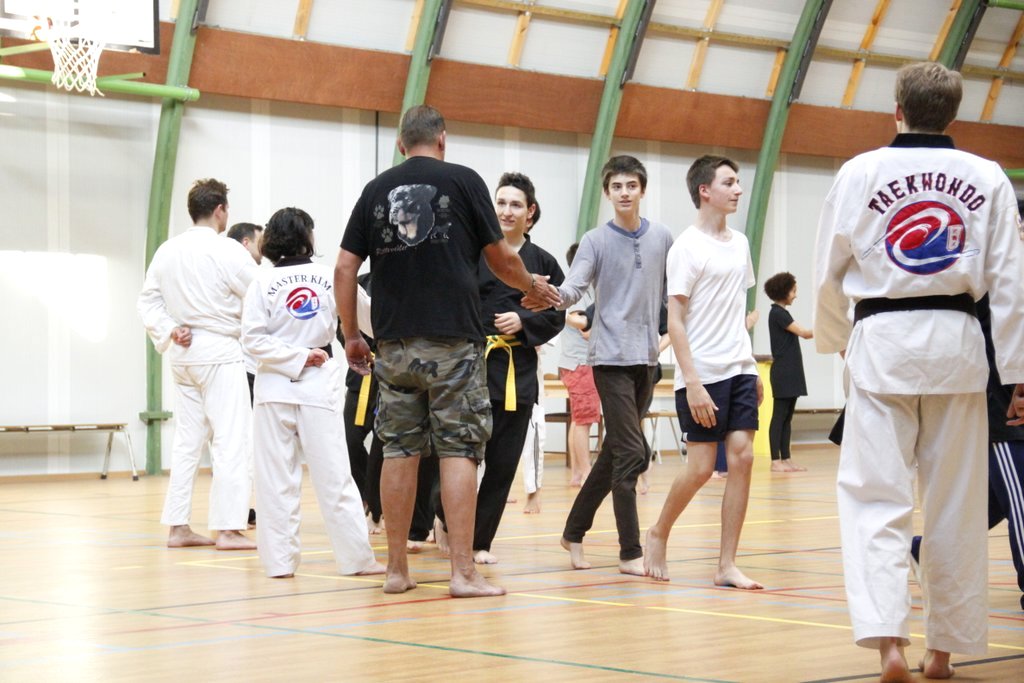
505	341
364	398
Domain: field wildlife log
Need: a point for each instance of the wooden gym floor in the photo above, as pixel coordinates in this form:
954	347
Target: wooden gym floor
90	593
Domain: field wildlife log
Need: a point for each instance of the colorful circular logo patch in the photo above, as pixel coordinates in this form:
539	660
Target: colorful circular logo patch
925	238
303	303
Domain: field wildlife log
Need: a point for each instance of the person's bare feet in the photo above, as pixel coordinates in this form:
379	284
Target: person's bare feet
642	485
719	475
576	558
397	582
414	546
655	552
511	501
234	540
532	506
375	568
894	664
936	664
633	567
484	557
780	466
472	586
183	537
576	482
793	467
734	578
441	536
375	527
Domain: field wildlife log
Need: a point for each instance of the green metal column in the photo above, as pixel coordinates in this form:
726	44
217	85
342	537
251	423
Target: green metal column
1008	4
954	48
419	67
805	37
1015	173
607	116
178	67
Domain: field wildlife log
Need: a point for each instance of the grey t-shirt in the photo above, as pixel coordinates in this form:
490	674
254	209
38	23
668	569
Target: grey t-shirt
627	272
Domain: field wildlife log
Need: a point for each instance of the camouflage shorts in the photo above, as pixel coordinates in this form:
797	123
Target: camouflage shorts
433	392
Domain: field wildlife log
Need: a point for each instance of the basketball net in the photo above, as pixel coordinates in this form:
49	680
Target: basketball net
76	58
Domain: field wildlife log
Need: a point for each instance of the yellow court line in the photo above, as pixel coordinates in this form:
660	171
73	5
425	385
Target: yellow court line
728	615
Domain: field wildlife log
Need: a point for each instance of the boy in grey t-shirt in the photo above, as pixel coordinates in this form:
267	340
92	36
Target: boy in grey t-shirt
624	260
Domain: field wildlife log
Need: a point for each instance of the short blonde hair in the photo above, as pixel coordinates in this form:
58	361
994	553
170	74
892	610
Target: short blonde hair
929	95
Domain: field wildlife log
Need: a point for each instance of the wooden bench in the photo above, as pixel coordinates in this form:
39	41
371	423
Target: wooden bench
110	428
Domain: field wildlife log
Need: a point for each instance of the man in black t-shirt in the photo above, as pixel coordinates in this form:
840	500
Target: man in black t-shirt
424	225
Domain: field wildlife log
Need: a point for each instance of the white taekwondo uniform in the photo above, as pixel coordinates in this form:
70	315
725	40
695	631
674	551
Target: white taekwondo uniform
197	279
289	310
918	218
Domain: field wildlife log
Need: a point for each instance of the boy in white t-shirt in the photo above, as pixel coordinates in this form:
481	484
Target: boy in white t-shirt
717	386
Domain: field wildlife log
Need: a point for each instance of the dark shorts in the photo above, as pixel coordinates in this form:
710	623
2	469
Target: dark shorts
736	398
433	396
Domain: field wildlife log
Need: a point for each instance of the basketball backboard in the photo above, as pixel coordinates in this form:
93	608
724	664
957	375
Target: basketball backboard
124	25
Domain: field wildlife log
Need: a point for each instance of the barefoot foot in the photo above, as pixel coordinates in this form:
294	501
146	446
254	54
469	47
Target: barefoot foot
472	586
936	664
780	466
633	567
375	568
642	485
398	583
894	664
655	553
576	558
793	467
234	540
183	537
484	557
375	527
734	578
532	506
719	475
413	546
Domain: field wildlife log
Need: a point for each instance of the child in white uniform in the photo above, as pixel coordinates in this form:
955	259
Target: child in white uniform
288	322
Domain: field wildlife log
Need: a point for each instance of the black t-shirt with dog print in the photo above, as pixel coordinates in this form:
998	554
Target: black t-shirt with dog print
423	225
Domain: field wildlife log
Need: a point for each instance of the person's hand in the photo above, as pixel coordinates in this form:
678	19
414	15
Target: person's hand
541	295
1016	408
316	357
586	335
182	336
752	318
508	323
360	358
702	408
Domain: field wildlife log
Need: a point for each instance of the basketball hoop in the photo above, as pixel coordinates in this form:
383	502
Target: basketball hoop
76	57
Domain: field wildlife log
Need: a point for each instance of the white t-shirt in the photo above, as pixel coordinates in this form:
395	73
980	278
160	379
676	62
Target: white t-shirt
715	276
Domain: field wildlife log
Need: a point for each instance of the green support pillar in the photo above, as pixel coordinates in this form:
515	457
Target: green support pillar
961	33
178	67
805	37
608	115
419	67
1007	4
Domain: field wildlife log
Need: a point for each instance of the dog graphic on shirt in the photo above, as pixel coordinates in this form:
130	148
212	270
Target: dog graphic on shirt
410	212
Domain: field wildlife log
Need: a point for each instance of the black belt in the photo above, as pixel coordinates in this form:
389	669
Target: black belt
964	303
